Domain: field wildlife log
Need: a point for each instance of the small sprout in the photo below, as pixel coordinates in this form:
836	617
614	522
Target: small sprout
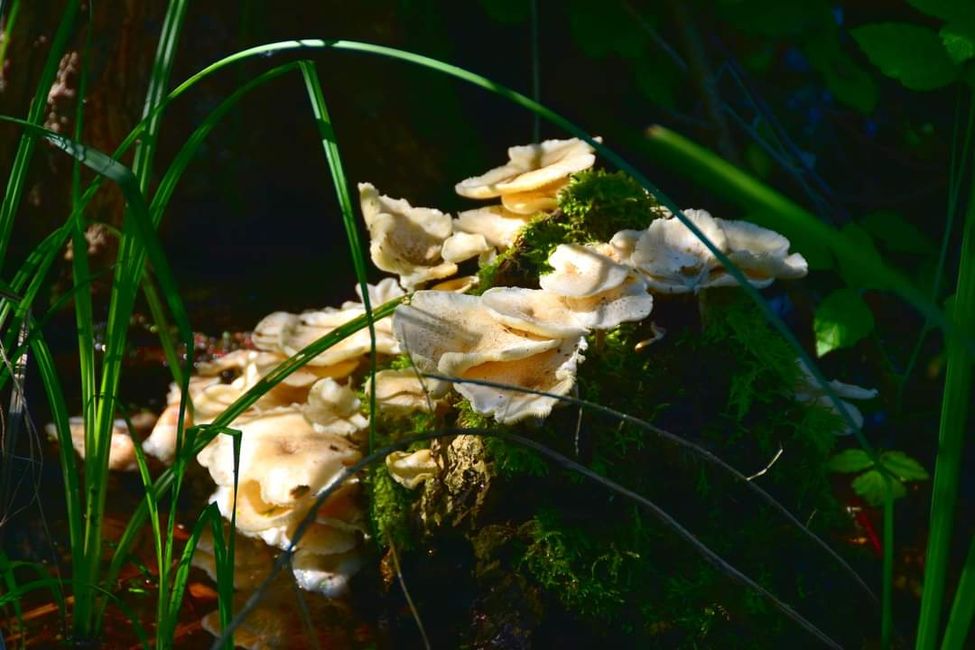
871	484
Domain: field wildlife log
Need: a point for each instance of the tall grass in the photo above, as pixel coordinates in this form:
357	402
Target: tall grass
91	580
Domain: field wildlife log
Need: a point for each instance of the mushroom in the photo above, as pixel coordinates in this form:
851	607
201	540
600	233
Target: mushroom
405	240
463	246
326	574
400	392
499	226
674	260
334	408
531	168
409	469
810	390
121	452
456	335
579	271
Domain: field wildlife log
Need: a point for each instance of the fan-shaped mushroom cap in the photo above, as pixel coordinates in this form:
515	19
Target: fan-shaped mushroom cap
529	168
672	258
463	246
447	332
402	391
621	247
580	271
334	408
405	240
499	226
809	390
456	285
551	371
288	336
409	469
326	574
541	199
761	254
282	452
547	314
121	453
252	559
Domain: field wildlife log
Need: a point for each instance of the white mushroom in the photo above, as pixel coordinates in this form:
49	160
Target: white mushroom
462	246
552	371
579	271
405	240
410	469
121	451
457	336
334	408
500	227
540	199
810	390
400	392
530	167
326	574
761	254
672	258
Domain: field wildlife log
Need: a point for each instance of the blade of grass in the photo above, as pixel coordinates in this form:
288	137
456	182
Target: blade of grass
956	401
556	458
8	28
887	607
963	609
35	115
330	144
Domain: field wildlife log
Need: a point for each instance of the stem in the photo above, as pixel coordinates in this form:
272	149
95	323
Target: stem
887	602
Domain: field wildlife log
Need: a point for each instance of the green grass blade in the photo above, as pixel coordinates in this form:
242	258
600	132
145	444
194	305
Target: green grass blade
330	144
887	608
35	115
158	81
955	404
182	573
963	609
8	29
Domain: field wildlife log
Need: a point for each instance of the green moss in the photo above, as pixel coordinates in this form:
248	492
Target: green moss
601	204
389	508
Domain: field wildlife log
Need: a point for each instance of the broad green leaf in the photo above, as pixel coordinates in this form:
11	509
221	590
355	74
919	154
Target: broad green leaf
903	466
959	41
872	487
849	460
897	233
841	320
911	54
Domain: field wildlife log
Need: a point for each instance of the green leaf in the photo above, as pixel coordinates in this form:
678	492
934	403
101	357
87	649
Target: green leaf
903	466
959	41
911	54
841	320
849	460
872	487
897	233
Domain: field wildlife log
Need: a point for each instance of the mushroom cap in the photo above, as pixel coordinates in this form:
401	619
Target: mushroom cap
551	371
403	391
530	167
326	574
334	408
761	254
456	285
462	246
541	199
621	247
499	226
282	452
580	271
121	453
672	258
447	332
809	390
627	303
409	469
535	311
405	240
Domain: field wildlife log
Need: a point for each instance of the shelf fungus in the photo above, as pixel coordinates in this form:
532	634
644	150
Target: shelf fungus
121	451
530	181
401	392
498	226
405	240
674	260
411	468
456	335
810	390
